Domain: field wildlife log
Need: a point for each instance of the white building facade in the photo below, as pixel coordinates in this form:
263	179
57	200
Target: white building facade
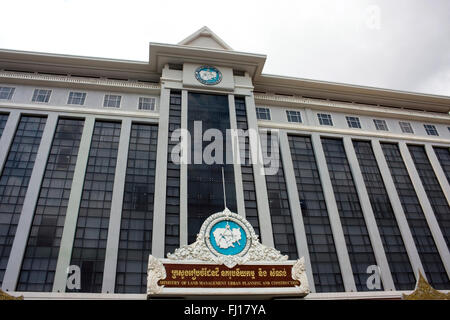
88	184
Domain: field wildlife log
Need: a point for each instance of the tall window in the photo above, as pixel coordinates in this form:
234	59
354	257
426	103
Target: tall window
41	95
443	154
248	181
391	237
325	119
280	212
137	212
6	93
76	98
433	189
205	188
112	101
41	254
263	113
172	234
353	122
354	226
3	120
423	239
322	251
93	217
14	181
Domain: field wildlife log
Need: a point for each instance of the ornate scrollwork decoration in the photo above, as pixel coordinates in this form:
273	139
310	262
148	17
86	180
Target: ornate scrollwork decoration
299	273
424	291
5	296
198	250
155	272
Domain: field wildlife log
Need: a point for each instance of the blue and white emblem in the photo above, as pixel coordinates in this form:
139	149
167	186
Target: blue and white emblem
208	75
228	238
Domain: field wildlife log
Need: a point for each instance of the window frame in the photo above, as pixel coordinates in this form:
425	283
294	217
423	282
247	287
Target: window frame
111	95
323	117
77	104
430	129
403	125
49	91
10	94
380	125
263	110
141	103
353	122
296	114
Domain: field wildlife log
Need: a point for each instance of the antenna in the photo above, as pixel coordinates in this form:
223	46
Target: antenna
224	193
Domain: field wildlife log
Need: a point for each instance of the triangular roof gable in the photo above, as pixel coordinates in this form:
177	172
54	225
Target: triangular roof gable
205	38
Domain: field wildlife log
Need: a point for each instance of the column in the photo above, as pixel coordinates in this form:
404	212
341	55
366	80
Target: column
236	158
112	244
265	221
184	171
8	136
159	217
440	174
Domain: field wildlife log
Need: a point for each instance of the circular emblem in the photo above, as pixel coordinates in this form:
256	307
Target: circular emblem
227	236
208	75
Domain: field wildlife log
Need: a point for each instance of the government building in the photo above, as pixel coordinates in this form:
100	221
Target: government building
359	181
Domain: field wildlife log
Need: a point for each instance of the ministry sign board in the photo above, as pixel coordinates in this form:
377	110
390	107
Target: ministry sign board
226	259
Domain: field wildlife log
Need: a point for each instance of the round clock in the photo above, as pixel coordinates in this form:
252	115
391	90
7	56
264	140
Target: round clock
208	75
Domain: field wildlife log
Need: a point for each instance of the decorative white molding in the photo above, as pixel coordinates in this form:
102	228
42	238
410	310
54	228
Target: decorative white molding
78	80
299	273
341	106
199	250
155	272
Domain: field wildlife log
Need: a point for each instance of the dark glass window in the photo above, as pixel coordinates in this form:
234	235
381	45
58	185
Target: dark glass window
14	181
325	119
443	154
93	217
406	127
322	251
353	122
41	95
431	130
432	188
137	213
172	234
3	120
393	245
380	125
280	212
205	187
354	226
431	261
41	254
248	181
112	101
76	98
294	116
6	93
263	113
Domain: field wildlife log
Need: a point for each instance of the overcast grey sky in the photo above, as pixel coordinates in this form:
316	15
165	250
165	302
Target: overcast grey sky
400	45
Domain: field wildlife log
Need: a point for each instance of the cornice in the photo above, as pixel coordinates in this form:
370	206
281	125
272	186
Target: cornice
305	129
64	81
357	108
